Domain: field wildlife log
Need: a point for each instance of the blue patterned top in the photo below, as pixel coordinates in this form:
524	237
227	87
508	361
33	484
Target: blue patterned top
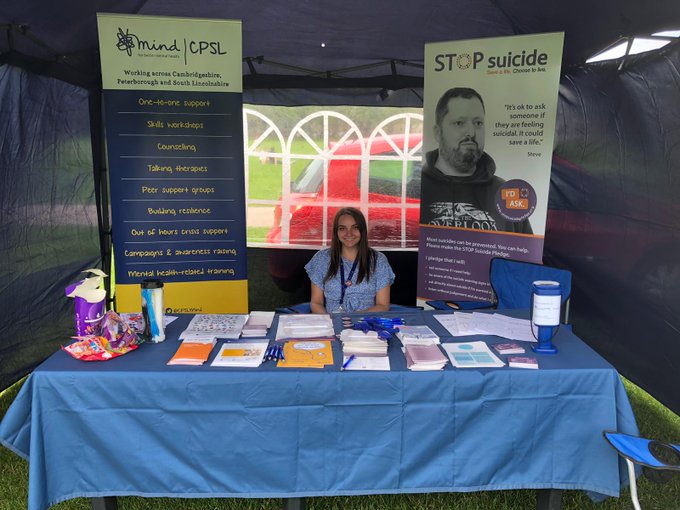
357	296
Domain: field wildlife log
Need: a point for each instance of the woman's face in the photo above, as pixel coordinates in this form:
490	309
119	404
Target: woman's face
348	231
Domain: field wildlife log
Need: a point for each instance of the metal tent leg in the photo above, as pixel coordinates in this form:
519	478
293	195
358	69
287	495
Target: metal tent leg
549	499
105	503
294	504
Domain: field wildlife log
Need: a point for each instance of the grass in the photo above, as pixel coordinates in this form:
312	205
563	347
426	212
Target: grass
265	178
654	421
257	234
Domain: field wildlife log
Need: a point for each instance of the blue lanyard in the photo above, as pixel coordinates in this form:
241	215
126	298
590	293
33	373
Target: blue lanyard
346	283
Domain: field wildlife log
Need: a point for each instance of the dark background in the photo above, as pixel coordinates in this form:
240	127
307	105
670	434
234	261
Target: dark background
613	215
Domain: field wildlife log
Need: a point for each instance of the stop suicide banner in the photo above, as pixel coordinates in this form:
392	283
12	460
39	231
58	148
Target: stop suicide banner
489	123
173	118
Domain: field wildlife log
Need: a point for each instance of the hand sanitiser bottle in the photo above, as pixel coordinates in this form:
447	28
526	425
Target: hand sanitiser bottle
152	310
90	302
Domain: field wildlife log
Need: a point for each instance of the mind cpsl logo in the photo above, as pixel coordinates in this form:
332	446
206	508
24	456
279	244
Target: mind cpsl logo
127	42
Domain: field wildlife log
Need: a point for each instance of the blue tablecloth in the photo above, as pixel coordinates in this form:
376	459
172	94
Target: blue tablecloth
135	426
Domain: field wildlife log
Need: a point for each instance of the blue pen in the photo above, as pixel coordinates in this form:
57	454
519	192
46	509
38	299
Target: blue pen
349	360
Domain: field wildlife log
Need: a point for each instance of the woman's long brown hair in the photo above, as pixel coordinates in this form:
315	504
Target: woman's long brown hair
367	256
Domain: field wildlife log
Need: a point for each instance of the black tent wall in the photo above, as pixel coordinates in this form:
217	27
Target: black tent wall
48	219
612	216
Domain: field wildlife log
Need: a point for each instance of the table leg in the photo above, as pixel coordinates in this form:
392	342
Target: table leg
105	503
549	499
294	504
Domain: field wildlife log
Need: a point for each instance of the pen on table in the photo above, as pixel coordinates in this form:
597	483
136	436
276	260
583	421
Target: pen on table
349	360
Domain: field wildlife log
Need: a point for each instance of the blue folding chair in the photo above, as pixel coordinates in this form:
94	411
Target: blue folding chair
512	283
654	456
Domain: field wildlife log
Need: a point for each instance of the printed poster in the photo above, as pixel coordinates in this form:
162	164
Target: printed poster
489	122
174	133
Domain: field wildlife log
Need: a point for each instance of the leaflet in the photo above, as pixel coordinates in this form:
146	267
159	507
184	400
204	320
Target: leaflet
477	323
218	325
240	354
192	352
381	363
471	355
307	354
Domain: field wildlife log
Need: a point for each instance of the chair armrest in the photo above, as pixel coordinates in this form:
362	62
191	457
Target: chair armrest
396	308
438	304
297	308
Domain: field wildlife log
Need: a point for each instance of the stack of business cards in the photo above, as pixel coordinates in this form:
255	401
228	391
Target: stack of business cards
509	348
522	362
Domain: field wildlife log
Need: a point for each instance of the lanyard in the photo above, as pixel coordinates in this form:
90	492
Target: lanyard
346	283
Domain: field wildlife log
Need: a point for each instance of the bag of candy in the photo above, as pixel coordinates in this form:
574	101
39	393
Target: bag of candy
113	338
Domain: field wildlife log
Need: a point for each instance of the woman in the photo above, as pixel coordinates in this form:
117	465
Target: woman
349	276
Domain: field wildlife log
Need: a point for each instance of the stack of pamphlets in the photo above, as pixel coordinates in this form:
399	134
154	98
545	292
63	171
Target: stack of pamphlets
363	350
509	348
240	354
362	344
217	325
471	355
420	335
523	362
424	357
193	352
257	325
307	325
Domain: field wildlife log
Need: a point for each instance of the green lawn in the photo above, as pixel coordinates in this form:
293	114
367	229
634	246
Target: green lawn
654	421
257	234
265	178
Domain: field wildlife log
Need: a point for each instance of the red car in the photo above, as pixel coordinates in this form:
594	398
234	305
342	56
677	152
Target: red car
388	215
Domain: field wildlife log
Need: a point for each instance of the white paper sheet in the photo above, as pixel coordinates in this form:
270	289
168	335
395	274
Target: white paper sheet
368	363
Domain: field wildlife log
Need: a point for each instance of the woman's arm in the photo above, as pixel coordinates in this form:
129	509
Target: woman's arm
316	302
382	300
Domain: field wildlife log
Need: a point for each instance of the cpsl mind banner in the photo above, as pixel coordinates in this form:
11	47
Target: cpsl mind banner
488	129
173	116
